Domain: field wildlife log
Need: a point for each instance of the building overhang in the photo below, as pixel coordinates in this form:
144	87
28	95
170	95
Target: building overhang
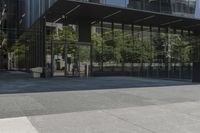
67	11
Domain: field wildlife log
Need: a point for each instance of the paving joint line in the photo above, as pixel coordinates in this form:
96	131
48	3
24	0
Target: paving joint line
130	123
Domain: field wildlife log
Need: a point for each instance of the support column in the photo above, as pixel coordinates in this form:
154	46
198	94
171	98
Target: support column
167	60
102	43
65	51
196	60
152	56
65	58
113	48
158	56
141	61
133	47
181	58
85	31
43	43
52	56
123	63
91	58
85	36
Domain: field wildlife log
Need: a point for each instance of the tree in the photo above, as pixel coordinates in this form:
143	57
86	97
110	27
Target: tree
181	50
3	43
68	33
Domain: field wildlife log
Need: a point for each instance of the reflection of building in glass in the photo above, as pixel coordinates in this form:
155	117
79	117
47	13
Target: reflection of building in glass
184	7
197	11
177	7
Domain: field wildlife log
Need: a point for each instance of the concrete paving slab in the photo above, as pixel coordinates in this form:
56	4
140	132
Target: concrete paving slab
17	106
101	105
72	95
167	94
84	122
157	119
16	125
189	108
191	128
8	107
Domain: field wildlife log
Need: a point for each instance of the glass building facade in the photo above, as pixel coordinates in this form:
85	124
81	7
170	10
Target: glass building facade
35	8
144	51
176	7
115	49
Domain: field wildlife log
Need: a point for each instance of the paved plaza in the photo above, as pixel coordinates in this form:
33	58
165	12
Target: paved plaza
97	105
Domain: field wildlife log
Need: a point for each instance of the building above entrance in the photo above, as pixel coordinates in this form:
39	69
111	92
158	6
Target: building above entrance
76	11
176	7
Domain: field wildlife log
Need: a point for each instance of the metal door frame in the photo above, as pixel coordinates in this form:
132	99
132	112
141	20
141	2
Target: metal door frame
66	43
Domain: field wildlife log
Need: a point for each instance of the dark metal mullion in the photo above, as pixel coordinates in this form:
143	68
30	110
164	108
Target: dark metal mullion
33	58
113	46
123	63
141	61
44	47
38	50
34	51
158	56
133	48
29	54
52	54
167	52
65	52
181	57
192	58
91	57
102	46
78	50
151	45
25	54
174	71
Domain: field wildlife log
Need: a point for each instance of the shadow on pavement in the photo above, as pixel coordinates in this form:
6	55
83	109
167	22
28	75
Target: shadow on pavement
12	82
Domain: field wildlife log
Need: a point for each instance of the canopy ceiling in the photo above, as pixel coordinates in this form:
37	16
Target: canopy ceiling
80	11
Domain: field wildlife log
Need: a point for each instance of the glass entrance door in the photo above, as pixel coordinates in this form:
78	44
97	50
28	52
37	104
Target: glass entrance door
84	59
78	60
71	60
58	60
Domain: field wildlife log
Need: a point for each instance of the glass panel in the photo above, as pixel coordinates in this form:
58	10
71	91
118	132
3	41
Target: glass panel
118	48
73	66
84	59
137	51
97	49
176	7
147	50
166	6
58	59
107	48
127	50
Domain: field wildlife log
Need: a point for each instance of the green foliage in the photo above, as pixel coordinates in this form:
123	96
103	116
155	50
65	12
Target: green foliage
115	47
3	43
180	49
67	34
19	48
127	50
97	48
84	53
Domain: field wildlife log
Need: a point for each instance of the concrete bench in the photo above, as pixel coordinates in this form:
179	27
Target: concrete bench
37	72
